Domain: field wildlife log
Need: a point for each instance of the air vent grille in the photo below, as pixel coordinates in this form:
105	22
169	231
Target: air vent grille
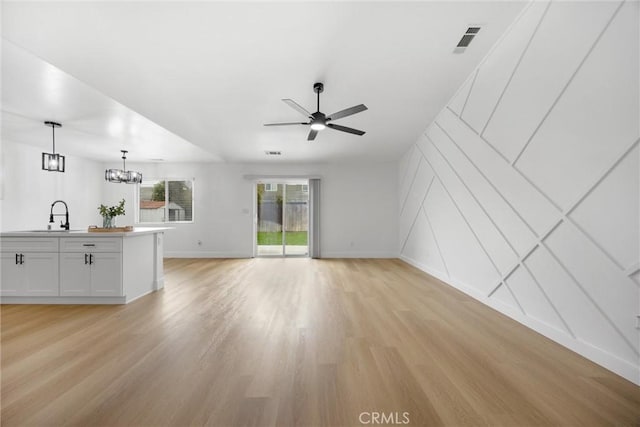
273	153
466	39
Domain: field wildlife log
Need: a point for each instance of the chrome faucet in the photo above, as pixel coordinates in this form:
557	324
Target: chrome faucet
64	225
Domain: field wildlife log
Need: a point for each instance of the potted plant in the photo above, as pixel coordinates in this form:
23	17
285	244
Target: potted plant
109	214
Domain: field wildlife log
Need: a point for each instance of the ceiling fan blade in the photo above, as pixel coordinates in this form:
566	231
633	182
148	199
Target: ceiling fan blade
347	112
293	104
346	129
312	135
286	124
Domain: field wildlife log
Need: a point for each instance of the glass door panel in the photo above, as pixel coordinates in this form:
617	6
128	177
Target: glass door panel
269	239
296	219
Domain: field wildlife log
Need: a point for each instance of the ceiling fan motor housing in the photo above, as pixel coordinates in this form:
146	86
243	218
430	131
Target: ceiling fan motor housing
318	87
318	121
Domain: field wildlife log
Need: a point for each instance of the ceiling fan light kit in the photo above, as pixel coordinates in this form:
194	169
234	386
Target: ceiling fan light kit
318	125
123	175
53	162
318	120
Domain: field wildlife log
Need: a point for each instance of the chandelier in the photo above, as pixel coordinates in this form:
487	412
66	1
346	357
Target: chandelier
123	175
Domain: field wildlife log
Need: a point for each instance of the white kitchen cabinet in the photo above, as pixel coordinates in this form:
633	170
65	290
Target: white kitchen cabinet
27	270
80	267
29	274
106	275
86	271
13	277
75	274
41	271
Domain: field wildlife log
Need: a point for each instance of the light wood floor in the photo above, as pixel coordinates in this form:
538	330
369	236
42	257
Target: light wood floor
283	342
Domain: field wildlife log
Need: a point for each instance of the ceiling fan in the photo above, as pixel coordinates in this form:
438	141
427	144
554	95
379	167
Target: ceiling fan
319	120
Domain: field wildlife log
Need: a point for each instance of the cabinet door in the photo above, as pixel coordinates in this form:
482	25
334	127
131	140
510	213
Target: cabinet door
75	275
41	271
106	275
13	279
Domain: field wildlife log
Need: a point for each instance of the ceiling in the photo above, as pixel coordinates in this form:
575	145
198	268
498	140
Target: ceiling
93	125
196	81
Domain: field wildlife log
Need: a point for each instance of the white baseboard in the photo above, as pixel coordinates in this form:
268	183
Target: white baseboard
63	300
203	254
130	300
158	284
358	255
601	357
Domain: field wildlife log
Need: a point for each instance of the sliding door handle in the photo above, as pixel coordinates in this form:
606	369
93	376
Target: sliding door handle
21	258
90	258
17	259
86	259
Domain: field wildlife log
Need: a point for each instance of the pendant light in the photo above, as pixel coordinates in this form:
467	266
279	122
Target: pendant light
53	162
123	175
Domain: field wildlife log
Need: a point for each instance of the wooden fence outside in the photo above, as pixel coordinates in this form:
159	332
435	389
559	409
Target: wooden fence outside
270	216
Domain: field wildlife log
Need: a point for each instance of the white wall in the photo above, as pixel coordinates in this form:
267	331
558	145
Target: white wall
524	191
27	191
358	215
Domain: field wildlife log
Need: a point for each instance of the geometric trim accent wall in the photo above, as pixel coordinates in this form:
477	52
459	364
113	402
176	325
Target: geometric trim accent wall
525	190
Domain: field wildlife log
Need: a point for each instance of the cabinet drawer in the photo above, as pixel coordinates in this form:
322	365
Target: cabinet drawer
101	244
29	244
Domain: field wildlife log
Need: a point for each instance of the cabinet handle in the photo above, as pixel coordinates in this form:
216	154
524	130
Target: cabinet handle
21	258
88	244
85	259
17	259
90	258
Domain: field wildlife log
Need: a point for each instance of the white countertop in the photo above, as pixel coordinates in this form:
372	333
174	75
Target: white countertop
137	231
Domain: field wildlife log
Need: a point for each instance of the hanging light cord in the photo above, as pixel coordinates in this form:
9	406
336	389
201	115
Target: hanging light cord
53	131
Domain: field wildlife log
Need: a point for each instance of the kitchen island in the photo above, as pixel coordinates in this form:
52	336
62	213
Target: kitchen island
80	267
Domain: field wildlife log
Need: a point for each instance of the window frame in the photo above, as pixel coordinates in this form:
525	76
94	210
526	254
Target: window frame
166	199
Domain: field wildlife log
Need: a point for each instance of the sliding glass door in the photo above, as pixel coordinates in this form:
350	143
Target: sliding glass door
282	227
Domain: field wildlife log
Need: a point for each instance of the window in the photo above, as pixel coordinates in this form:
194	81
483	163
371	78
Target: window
165	200
305	188
270	187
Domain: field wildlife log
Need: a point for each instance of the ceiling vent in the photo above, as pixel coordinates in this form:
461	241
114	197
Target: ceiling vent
466	39
273	153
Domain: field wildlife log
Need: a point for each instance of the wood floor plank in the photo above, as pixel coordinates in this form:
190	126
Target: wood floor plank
296	342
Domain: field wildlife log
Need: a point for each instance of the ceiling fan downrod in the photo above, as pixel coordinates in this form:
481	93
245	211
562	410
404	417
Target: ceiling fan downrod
318	88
